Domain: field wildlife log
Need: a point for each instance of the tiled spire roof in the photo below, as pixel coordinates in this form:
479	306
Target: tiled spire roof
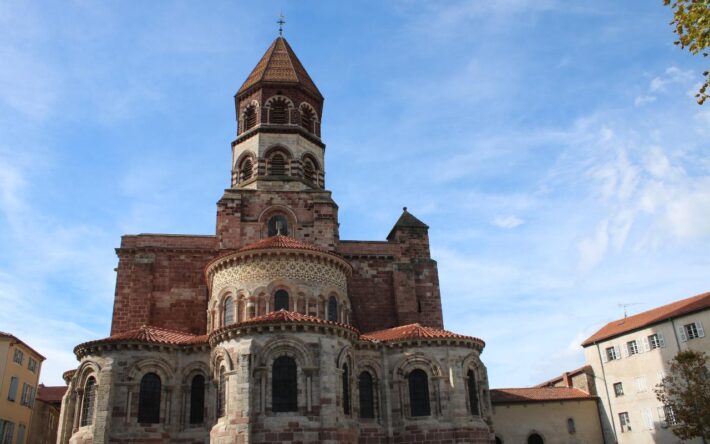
280	241
650	317
407	220
280	65
413	331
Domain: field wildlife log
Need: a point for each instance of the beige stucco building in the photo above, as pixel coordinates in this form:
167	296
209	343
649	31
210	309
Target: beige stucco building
629	357
19	373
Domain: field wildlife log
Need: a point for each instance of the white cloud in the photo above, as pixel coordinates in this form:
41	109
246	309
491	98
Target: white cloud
643	100
507	221
672	75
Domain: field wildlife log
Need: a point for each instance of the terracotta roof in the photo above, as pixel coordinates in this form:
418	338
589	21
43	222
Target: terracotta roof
282	242
575	372
406	220
290	317
15	338
51	395
413	331
152	335
650	317
280	65
537	394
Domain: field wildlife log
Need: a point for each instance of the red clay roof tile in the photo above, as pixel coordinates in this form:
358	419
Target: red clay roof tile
152	335
280	241
650	317
537	394
53	394
284	316
413	331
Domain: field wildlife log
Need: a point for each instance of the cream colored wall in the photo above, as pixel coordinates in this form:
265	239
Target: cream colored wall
14	411
513	423
650	366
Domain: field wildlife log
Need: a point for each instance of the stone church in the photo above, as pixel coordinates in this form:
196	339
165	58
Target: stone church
274	330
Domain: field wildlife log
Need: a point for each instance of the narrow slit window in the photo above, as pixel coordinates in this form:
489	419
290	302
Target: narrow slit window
197	400
367	398
419	393
149	399
284	388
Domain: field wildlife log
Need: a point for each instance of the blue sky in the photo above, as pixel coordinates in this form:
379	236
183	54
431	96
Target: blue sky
554	148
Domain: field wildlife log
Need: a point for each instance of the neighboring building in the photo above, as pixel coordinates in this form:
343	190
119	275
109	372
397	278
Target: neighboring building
545	415
629	357
19	373
45	417
274	329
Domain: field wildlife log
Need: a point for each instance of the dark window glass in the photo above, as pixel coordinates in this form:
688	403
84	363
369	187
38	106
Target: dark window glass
279	111
281	300
277	165
284	389
346	390
228	311
87	408
249	118
419	393
333	309
149	399
222	393
367	398
473	392
278	225
197	400
535	439
498	440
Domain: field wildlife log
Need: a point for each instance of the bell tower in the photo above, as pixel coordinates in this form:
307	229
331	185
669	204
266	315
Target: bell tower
279	110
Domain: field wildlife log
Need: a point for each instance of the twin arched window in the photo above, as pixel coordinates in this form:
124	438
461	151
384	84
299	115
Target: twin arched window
228	312
197	400
149	399
332	309
284	385
281	300
367	395
473	393
419	393
89	403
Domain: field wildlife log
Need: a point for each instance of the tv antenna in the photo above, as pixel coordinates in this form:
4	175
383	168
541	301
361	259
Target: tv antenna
625	306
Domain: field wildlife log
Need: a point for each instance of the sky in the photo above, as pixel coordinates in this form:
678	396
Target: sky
553	147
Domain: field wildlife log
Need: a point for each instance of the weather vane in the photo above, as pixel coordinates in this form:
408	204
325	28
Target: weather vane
281	23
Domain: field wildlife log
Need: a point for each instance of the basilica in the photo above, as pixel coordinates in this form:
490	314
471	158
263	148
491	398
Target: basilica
273	329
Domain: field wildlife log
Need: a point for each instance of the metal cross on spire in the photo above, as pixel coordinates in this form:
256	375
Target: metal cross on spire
281	23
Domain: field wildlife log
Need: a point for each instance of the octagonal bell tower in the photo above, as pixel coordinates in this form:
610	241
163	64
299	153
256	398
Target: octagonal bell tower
279	110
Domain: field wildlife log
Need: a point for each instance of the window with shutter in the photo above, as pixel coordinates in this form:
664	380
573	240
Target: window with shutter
247	169
277	165
309	171
307	118
681	334
149	399
249	118
367	397
20	434
419	393
12	393
279	112
284	388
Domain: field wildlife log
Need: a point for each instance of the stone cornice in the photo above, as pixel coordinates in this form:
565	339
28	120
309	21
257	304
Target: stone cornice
321	327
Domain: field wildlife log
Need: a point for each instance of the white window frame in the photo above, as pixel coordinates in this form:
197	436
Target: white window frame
611	353
624	422
621	387
692	330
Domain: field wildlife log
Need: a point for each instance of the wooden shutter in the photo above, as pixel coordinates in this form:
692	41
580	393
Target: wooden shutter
681	334
646	344
699	326
617	355
625	349
661	341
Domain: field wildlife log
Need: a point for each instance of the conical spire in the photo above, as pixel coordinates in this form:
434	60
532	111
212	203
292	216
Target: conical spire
280	65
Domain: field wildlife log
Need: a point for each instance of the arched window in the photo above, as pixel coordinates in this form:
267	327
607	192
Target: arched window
222	393
250	117
197	400
535	439
332	309
346	389
419	393
228	312
498	440
149	399
245	172
279	112
307	118
89	403
309	171
284	389
277	165
278	225
367	396
280	300
473	393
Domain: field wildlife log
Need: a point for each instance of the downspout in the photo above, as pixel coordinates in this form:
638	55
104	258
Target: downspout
608	398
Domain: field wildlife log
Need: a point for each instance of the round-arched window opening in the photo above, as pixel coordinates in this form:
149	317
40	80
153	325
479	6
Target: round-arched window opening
535	439
249	118
498	440
277	225
281	300
246	169
333	309
284	385
197	400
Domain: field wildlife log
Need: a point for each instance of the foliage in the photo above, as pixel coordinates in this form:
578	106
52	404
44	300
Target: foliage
686	390
691	20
